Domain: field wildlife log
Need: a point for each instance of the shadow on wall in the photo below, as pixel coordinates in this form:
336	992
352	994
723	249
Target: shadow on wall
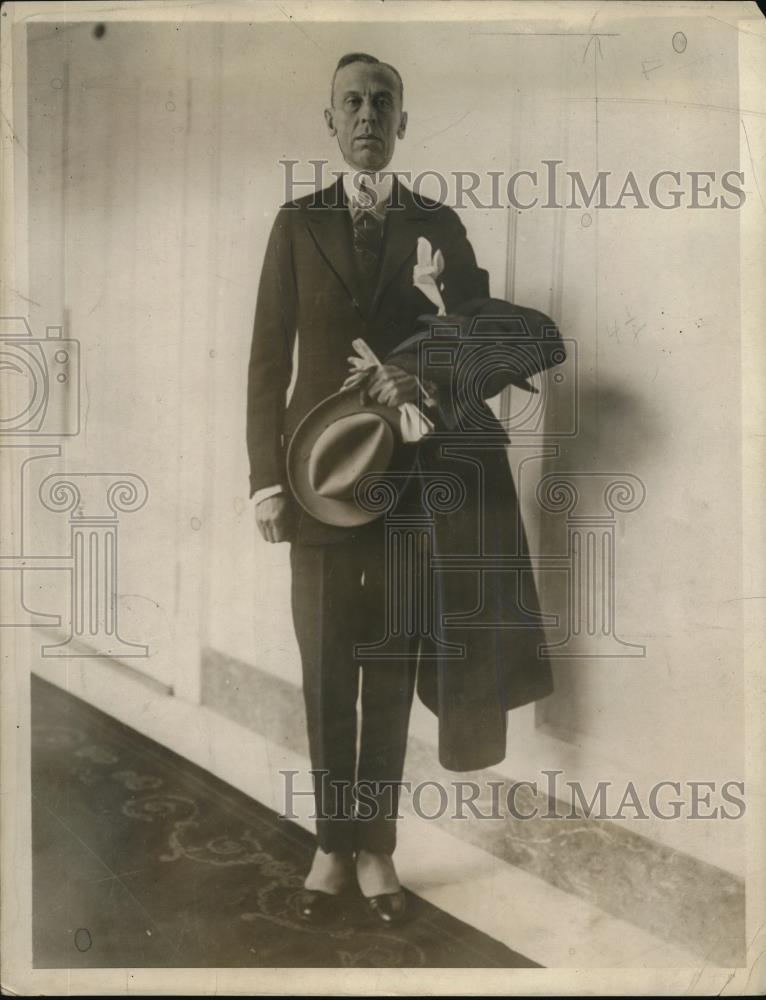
589	498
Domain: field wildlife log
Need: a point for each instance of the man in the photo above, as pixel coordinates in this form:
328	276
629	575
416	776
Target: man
339	266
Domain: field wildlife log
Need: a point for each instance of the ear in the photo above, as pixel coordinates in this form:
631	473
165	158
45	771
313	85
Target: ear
402	126
329	119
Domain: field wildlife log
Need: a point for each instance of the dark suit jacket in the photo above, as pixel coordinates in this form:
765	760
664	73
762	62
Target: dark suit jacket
309	288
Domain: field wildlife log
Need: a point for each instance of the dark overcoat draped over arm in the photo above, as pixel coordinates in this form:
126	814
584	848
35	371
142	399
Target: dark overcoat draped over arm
483	657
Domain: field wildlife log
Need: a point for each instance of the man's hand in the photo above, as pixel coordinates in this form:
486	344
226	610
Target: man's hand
392	386
274	518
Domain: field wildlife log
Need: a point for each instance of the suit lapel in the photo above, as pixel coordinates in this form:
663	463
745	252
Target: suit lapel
329	227
401	238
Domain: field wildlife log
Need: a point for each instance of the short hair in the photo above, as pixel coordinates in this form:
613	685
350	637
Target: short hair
364	57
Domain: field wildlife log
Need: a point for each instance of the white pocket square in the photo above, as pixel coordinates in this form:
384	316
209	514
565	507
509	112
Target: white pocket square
426	272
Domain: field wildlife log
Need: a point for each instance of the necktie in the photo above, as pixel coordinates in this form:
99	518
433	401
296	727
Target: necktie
367	219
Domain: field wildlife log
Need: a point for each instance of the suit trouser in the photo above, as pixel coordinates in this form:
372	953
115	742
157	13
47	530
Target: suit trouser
338	599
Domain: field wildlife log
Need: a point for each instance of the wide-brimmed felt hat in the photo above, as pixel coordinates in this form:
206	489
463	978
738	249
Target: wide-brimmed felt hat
337	443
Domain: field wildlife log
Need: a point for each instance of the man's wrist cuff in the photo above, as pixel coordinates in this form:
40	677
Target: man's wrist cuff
268	491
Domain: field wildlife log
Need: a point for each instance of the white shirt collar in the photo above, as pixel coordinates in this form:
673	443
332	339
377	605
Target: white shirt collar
380	184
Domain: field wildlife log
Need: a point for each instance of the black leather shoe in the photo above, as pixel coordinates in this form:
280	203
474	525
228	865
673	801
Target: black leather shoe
315	906
389	907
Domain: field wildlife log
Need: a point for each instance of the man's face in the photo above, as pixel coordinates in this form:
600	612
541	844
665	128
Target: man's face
366	115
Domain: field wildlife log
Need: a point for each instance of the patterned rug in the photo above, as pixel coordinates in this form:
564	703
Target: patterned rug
143	860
